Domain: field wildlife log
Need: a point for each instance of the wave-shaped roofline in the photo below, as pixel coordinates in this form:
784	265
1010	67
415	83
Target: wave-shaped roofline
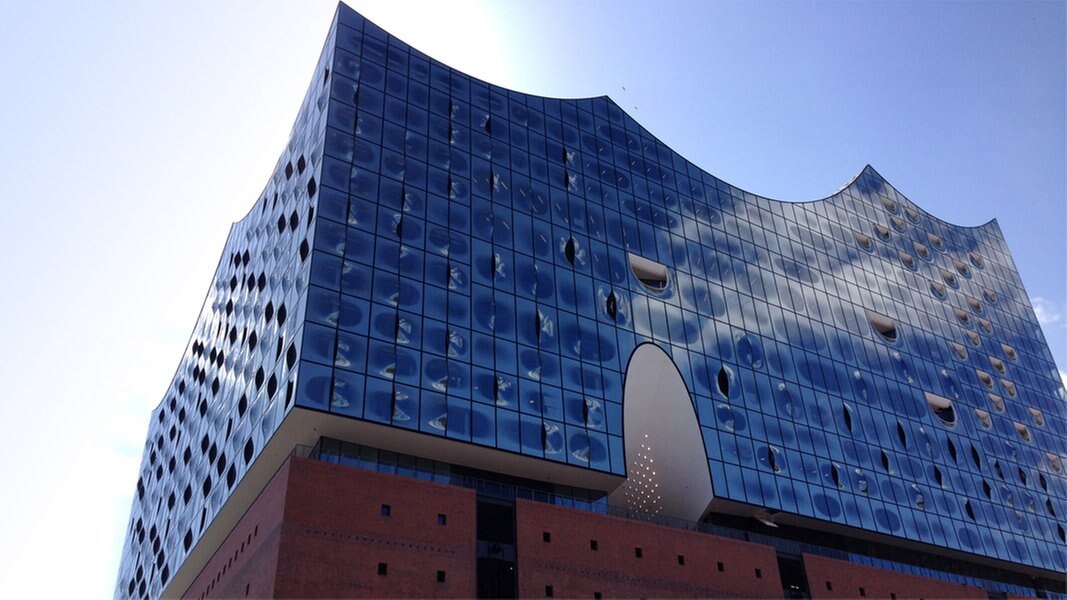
851	184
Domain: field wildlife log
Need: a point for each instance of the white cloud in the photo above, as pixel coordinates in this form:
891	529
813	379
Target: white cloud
1047	312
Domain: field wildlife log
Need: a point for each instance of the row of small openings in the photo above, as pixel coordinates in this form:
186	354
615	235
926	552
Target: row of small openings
965	319
862	591
386	510
892	206
383	570
986	421
884	234
987	380
960	352
229	562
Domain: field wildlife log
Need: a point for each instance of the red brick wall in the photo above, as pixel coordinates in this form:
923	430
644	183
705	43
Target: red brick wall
335	535
572	568
847	580
244	565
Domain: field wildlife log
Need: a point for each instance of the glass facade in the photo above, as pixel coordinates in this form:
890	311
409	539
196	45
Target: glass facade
439	254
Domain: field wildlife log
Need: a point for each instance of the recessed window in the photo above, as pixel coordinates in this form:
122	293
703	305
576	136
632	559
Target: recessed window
546	537
1023	431
681	559
985	324
889	205
975	305
935	241
863	241
549	592
897	223
882	232
997	402
962	316
998	365
383	568
907	260
949	278
983	418
829	586
759	574
885	326
921	250
973	338
1009	387
1037	416
962	268
942	408
912	214
638	553
938	290
440	577
989	294
386	510
959	350
1054	462
651	274
442	519
593	545
721	567
1009	352
985	378
977	260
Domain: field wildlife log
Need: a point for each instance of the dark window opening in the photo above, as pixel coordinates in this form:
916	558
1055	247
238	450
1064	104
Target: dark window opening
759	574
723	381
570	250
610	305
652	275
386	510
885	326
829	586
442	519
549	592
942	408
638	553
546	536
863	592
721	567
593	545
681	559
383	569
440	577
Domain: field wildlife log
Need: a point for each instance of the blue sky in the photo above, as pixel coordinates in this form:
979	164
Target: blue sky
134	134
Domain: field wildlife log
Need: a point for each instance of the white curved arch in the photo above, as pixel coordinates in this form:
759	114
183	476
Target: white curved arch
667	472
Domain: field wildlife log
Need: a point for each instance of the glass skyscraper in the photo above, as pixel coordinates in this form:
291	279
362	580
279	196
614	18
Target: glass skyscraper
541	289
